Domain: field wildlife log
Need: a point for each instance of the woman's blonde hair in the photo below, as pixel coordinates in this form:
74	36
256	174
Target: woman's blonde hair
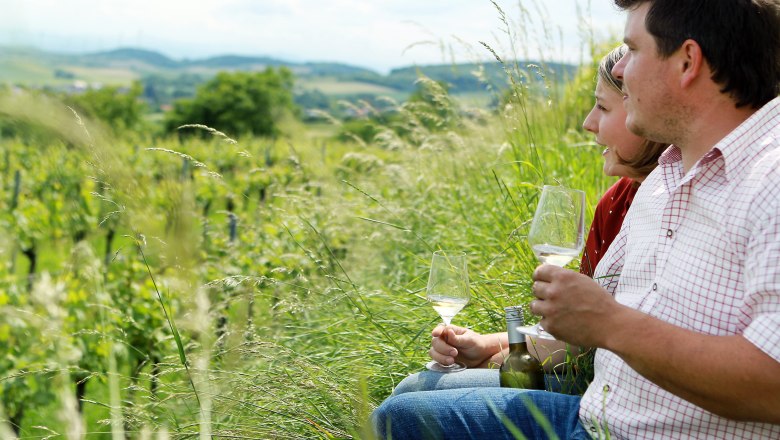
646	161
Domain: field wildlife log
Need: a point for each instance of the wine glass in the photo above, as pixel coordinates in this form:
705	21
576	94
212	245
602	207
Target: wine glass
448	292
557	234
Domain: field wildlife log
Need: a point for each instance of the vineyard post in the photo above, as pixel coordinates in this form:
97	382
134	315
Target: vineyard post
32	254
250	315
233	226
185	169
17	188
222	319
109	241
267	157
14	202
110	235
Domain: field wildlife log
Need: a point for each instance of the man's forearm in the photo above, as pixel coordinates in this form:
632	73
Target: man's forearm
726	375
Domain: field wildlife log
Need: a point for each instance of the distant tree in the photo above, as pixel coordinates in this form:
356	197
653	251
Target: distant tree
161	90
238	103
313	100
64	74
121	109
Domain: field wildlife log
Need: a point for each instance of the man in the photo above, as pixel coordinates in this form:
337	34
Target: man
688	334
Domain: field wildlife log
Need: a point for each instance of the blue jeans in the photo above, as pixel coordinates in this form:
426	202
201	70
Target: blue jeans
470	404
478	378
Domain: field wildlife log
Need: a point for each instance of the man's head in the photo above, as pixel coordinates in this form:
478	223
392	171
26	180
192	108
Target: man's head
739	40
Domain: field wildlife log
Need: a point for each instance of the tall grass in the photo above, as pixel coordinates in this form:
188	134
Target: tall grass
279	292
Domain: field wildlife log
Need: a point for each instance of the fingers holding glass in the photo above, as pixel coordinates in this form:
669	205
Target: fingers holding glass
448	293
556	237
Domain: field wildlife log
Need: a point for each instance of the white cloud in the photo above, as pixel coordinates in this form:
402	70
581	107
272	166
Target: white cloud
378	34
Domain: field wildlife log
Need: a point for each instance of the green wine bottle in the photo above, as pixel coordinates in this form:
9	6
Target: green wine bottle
520	369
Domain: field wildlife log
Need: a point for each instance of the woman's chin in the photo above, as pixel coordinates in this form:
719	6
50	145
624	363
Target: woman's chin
614	170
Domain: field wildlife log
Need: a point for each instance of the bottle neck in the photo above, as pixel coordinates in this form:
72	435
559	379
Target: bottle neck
515	337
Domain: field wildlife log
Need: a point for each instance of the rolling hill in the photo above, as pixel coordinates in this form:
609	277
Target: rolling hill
171	79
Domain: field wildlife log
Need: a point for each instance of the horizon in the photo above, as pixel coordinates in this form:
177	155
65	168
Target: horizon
280	60
380	36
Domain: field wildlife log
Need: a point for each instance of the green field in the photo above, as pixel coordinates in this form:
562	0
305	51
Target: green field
332	86
159	287
24	71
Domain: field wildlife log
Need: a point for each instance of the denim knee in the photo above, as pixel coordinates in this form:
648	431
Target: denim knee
393	408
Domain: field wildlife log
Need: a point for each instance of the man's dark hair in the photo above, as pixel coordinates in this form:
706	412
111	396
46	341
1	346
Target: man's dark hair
740	40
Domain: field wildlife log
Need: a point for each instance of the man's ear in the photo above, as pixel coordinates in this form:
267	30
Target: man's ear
691	62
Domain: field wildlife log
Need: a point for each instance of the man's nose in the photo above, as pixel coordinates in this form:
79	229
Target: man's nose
617	69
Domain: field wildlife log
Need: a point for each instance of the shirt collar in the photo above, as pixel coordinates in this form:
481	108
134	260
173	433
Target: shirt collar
737	148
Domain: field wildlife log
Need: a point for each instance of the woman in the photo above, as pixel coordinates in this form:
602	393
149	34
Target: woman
626	155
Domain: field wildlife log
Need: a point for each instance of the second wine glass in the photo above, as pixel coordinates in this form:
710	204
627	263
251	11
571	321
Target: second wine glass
557	233
448	293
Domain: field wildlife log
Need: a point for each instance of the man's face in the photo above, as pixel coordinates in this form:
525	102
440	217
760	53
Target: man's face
647	82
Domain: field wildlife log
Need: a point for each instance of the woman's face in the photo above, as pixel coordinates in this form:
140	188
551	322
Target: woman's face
607	120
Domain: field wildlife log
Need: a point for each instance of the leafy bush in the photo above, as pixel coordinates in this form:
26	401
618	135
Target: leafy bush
120	110
239	103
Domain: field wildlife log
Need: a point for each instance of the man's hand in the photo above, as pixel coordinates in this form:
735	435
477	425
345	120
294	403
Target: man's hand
573	307
453	343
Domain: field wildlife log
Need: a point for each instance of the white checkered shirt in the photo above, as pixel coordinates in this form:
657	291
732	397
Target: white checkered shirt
701	251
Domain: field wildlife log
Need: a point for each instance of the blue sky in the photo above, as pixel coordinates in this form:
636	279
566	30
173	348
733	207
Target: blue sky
378	34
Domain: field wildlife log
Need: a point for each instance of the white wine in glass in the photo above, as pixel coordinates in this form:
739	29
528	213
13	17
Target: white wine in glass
557	233
448	293
555	255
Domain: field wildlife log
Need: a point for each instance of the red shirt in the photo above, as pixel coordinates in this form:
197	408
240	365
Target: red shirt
610	211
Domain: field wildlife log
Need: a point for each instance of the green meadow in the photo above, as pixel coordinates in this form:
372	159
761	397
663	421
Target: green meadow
221	285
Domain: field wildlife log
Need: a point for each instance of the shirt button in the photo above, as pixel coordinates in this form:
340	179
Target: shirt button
593	429
669	233
655	286
606	388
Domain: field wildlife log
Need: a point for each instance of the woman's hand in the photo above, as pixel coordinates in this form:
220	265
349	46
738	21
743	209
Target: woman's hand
452	343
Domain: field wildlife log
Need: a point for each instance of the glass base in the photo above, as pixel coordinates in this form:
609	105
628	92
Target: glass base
454	368
535	331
